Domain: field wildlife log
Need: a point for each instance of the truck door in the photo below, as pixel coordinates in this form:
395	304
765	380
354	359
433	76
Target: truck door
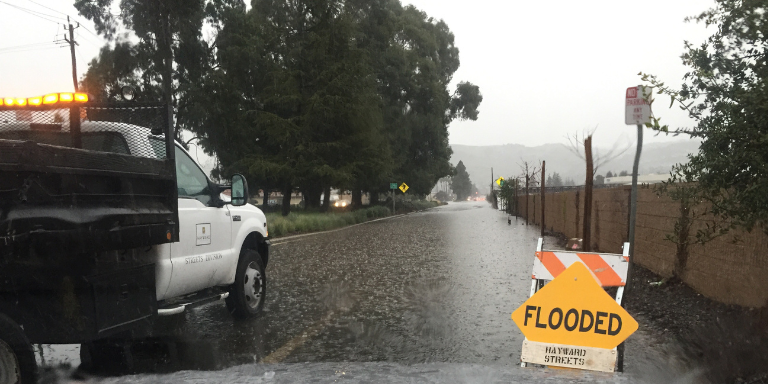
203	254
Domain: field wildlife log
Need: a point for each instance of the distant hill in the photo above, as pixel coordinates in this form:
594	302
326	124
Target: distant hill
506	160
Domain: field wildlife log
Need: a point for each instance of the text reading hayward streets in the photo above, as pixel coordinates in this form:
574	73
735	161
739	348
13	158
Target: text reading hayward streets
566	356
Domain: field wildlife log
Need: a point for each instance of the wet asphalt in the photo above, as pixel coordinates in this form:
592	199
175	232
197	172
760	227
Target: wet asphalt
432	287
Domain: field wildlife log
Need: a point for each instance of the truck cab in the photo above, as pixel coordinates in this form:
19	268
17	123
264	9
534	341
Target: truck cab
214	231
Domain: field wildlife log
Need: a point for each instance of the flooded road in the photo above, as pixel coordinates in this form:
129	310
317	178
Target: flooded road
434	286
427	292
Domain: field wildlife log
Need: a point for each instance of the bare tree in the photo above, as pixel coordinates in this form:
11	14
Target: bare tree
576	144
530	173
543	197
593	162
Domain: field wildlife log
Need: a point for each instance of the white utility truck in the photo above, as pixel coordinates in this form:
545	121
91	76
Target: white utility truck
106	223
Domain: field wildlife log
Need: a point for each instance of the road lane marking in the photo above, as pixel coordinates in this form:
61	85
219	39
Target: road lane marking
281	353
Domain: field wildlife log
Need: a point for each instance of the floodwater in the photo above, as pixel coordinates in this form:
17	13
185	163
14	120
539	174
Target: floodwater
424	297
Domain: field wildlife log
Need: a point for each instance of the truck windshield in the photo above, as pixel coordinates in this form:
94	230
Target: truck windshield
190	179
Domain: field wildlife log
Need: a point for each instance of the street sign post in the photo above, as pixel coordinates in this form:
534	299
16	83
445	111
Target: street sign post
393	186
637	111
571	321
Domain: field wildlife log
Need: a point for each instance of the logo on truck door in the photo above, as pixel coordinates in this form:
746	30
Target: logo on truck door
203	234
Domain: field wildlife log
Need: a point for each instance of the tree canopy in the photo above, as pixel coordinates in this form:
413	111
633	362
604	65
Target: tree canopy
726	93
169	34
302	94
460	183
554	180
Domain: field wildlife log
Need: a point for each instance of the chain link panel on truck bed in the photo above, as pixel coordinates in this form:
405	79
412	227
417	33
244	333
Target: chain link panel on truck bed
133	129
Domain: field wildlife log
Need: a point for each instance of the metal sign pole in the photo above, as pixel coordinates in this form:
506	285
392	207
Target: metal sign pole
637	111
633	202
632	217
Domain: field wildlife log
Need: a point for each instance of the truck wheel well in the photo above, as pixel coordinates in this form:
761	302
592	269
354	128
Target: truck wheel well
255	241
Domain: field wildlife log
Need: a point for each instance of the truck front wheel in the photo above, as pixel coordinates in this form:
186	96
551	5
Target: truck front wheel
247	294
17	360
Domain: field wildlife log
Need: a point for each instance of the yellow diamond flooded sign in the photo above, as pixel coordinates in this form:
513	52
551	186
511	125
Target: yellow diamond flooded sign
573	322
404	187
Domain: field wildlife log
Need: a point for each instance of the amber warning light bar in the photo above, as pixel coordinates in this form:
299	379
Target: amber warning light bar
51	98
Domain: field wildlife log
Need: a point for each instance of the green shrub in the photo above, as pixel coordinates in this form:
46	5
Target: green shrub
377	211
412	204
348	218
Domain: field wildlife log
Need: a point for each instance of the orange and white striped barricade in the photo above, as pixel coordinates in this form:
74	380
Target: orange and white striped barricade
608	269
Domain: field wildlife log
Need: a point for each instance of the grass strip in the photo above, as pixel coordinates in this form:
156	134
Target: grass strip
305	222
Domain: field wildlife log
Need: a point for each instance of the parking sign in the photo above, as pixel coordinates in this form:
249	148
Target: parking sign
637	110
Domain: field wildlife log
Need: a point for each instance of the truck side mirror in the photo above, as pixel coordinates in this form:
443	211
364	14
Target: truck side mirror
239	190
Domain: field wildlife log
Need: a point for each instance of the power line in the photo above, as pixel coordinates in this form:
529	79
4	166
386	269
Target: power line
29	49
84	27
37	12
40	15
31	13
80	54
34	2
58	27
89	31
81	37
25	46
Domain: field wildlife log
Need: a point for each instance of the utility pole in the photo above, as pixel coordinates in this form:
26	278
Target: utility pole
527	181
587	226
543	196
72	44
491	180
517	198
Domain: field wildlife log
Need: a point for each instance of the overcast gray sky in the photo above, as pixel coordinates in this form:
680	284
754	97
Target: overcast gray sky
545	68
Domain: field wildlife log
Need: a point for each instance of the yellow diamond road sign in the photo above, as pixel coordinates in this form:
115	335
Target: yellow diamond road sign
500	181
573	310
403	187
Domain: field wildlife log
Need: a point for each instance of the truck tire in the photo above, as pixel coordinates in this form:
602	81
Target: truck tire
248	293
17	359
